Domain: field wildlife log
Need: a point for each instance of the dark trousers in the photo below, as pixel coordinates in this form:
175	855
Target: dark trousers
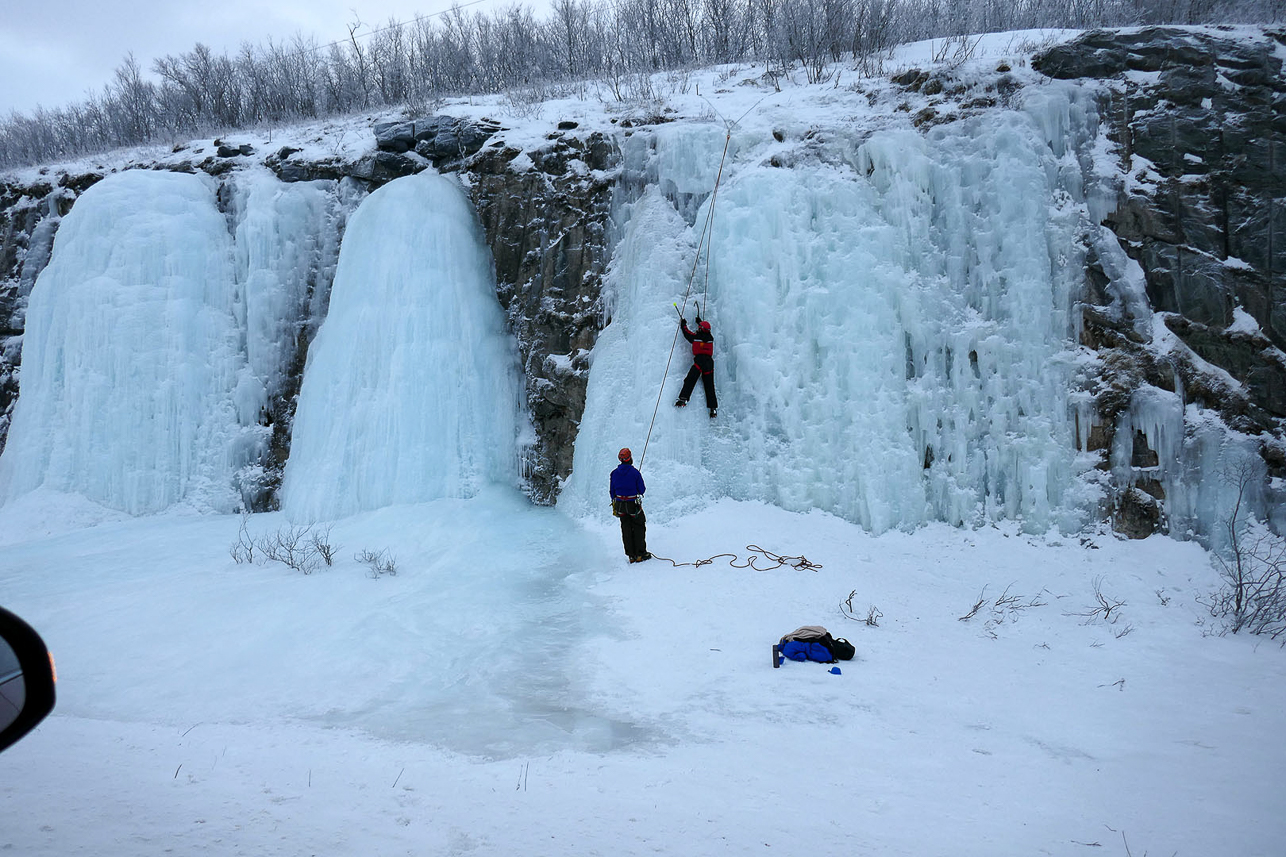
634	533
706	374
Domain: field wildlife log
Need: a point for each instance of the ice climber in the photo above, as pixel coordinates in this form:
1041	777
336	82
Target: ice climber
702	364
627	489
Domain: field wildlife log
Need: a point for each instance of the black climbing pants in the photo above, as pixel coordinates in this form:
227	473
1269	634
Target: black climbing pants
634	532
702	368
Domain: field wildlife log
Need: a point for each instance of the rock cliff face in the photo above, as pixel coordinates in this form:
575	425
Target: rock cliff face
548	232
1196	119
546	220
29	218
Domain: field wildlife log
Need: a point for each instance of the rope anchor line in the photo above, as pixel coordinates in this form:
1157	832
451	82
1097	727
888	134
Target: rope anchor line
704	241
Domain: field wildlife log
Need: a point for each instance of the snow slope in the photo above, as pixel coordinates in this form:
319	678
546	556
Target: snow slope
517	687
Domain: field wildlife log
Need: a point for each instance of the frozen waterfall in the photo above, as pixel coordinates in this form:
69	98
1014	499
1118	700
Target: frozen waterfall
412	390
893	342
132	352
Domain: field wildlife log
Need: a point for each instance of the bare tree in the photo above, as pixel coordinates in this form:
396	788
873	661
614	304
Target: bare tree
620	41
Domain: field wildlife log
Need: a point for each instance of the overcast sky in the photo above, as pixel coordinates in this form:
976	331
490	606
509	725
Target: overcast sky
54	51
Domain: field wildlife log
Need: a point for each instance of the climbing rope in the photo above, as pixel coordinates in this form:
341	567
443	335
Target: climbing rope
799	563
707	233
704	241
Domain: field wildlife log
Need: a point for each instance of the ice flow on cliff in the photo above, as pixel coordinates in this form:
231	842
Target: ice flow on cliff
411	391
131	353
891	321
892	313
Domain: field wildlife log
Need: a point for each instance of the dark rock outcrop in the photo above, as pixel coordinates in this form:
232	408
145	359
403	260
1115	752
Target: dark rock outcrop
1204	211
29	219
1197	121
547	226
442	140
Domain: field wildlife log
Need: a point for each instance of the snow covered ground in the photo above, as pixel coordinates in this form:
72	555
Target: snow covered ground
517	687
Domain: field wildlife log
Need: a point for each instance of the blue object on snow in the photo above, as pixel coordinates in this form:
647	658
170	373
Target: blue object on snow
806	650
834	671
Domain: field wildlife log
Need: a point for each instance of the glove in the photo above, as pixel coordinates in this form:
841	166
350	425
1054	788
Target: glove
615	514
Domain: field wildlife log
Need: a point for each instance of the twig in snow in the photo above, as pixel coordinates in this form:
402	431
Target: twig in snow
976	606
1106	609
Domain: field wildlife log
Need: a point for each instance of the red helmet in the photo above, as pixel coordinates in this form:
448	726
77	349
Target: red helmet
705	325
624	454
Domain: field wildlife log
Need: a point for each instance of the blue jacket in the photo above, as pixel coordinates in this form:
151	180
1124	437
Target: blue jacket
807	650
626	482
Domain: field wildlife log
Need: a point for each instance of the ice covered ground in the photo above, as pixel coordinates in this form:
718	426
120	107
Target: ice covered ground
519	688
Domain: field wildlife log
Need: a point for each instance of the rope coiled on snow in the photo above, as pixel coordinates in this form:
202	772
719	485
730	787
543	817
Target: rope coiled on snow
799	563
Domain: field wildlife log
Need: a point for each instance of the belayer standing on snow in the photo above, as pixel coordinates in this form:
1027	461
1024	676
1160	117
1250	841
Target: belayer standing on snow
702	363
626	487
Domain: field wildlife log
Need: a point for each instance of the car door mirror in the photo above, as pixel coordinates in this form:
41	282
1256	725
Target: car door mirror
26	679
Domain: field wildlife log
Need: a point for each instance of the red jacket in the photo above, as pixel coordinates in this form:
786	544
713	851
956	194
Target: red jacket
702	340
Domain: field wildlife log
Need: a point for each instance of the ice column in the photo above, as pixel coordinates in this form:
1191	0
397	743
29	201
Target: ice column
131	352
411	390
284	234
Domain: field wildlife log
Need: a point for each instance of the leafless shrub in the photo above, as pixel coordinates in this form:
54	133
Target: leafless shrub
526	102
1007	601
873	613
291	546
1004	609
243	549
977	605
956	49
379	562
320	542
